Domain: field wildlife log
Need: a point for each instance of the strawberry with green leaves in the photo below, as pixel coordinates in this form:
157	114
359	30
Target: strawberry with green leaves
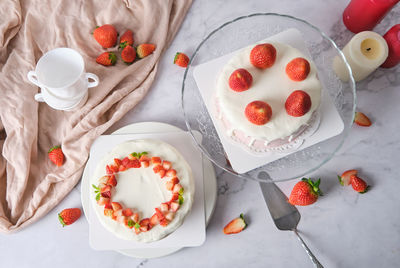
305	192
69	216
344	179
56	155
358	184
107	59
126	39
236	225
181	59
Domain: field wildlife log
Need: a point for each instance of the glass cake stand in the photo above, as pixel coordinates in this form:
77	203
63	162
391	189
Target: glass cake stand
242	32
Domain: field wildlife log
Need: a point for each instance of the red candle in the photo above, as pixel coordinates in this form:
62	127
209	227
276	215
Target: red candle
392	38
364	15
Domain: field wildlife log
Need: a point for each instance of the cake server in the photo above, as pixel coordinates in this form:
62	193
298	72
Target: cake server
285	216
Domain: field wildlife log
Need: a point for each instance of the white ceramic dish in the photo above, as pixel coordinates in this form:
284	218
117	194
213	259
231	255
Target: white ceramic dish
210	187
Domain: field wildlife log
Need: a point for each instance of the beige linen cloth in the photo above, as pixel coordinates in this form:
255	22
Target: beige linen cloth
30	185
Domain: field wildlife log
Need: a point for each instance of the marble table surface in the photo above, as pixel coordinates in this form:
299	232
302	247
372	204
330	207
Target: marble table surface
343	229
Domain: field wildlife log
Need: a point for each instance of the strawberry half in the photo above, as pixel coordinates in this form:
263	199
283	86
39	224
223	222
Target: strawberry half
305	192
69	216
344	179
144	50
362	120
56	155
236	225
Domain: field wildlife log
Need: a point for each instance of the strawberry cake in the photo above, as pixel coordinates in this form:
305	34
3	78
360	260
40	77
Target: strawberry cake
267	96
142	190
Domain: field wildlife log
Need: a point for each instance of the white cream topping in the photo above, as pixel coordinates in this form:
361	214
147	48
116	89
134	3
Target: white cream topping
271	85
142	190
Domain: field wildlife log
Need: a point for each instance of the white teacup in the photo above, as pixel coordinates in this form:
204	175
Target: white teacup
60	73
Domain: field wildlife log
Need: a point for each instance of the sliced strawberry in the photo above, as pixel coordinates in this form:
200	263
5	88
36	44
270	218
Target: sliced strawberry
116	206
157	168
121	219
109	170
106	188
131	157
162	173
174	206
117	214
167	165
164	207
175	180
122	168
169	185
154	219
108	205
144	228
345	178
144	222
362	120
177	188
144	158
108	212
171	173
135	217
170	216
125	161
106	194
174	197
164	222
235	226
103	180
103	200
145	164
114	168
159	214
137	230
133	163
117	162
127	212
112	181
155	161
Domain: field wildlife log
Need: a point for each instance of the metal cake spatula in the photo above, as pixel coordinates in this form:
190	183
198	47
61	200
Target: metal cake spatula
285	216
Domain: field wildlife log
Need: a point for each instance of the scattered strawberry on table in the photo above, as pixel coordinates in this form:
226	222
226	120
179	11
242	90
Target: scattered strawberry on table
236	225
181	59
144	50
362	120
69	216
107	59
305	192
351	177
128	54
106	35
56	155
126	39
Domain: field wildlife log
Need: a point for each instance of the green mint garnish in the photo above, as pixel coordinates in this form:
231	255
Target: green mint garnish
130	223
98	197
138	155
180	200
95	187
137	225
181	191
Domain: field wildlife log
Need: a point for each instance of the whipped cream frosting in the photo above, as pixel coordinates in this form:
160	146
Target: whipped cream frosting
142	190
271	85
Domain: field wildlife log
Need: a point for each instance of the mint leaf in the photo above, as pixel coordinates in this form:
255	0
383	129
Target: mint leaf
98	197
137	225
130	223
180	200
181	191
95	187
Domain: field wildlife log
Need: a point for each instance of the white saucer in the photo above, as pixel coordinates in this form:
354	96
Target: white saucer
210	187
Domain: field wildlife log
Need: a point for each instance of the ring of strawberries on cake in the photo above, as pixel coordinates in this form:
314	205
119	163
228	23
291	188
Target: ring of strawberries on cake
267	96
143	195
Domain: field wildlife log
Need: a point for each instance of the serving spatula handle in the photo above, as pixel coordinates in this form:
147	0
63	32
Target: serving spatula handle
310	254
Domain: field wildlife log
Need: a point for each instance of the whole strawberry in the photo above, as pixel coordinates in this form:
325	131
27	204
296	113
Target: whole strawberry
128	54
240	80
56	155
298	69
106	35
107	59
144	50
305	192
358	184
126	39
298	103
263	56
181	59
69	216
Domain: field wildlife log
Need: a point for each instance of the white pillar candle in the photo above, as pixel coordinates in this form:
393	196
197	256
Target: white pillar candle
365	52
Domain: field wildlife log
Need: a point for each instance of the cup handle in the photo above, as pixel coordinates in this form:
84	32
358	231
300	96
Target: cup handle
39	97
32	77
95	79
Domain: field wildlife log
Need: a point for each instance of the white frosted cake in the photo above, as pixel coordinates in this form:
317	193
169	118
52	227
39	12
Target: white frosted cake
267	95
142	190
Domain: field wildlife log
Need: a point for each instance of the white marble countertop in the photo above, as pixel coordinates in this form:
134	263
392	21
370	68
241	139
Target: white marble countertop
343	229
